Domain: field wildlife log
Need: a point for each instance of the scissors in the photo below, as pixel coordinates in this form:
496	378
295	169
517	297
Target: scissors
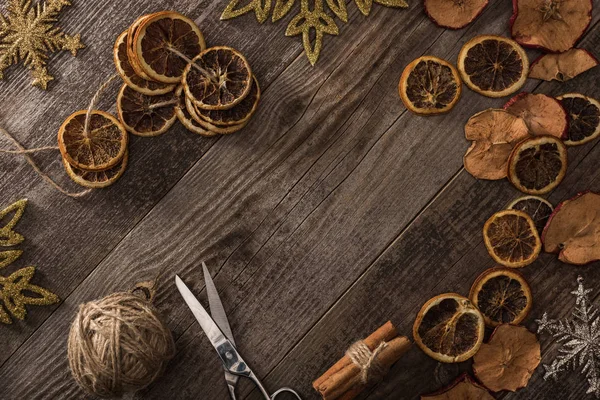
219	333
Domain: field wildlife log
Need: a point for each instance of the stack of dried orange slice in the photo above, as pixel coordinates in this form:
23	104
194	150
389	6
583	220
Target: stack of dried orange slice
169	74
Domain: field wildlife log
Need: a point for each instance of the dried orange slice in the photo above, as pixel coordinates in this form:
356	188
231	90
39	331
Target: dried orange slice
100	148
502	295
163	44
236	115
537	208
429	85
584	118
185	118
493	66
512	239
145	115
193	110
128	74
129	40
449	328
99	179
217	79
537	165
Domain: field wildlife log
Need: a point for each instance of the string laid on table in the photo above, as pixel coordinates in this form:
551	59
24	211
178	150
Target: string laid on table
21	150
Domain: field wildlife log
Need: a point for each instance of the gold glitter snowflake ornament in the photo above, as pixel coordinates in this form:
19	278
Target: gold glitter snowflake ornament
28	33
312	21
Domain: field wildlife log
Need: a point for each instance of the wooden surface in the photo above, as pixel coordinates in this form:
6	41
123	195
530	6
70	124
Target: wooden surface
333	211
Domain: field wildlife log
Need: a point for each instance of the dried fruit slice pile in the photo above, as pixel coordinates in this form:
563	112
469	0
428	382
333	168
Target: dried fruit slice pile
168	75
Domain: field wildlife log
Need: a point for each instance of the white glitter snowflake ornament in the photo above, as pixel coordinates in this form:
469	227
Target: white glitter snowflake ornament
579	339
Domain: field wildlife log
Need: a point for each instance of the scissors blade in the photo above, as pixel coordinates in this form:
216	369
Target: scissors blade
218	314
217	310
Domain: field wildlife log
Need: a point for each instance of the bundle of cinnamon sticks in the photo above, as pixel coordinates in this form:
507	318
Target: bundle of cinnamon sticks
343	381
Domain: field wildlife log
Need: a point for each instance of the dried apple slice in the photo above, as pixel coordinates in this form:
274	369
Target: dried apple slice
448	328
538	165
508	359
454	14
562	66
494	133
584	118
464	388
544	115
552	25
493	66
573	230
429	85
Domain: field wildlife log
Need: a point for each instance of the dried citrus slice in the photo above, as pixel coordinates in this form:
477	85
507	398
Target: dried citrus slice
584	118
193	110
129	75
493	65
454	14
129	40
553	25
544	115
100	148
494	134
429	85
537	208
449	328
164	42
512	239
217	79
99	179
236	115
145	115
185	118
537	165
562	66
502	295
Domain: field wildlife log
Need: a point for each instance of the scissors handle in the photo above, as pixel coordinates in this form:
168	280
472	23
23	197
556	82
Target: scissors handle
285	390
264	392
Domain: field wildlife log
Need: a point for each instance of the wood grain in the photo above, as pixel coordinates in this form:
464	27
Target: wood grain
333	211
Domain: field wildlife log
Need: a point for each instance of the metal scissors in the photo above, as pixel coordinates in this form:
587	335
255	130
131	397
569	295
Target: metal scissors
219	333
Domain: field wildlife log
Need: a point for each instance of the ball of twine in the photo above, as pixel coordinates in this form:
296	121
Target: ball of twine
118	344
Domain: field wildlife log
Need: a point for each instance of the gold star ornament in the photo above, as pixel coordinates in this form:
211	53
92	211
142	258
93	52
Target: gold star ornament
312	17
28	33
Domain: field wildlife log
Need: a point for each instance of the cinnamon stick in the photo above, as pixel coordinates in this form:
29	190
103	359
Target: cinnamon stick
346	384
344	375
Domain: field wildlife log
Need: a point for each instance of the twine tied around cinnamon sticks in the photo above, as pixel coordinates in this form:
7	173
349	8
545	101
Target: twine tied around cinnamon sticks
365	363
372	369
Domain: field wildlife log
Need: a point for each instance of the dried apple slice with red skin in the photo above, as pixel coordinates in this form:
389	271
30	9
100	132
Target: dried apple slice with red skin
464	387
573	230
562	66
508	359
544	115
454	14
494	133
551	25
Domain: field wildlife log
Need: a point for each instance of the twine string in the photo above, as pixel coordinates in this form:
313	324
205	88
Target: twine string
207	74
371	368
26	152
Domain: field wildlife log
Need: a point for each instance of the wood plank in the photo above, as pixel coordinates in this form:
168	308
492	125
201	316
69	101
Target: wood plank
55	225
442	251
